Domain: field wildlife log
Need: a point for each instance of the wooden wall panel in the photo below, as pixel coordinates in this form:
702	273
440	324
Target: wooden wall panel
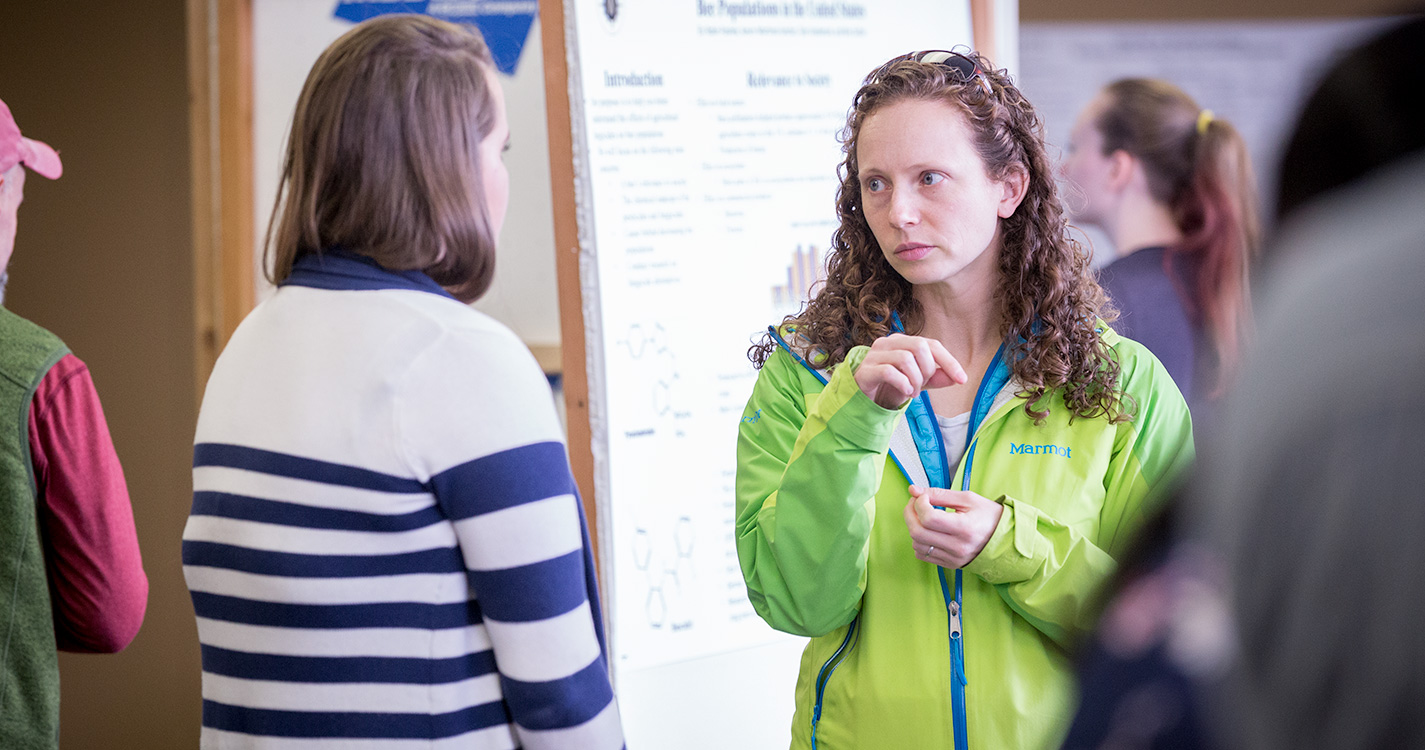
566	247
220	112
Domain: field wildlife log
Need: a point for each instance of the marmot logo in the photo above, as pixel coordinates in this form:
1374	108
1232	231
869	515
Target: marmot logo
1040	450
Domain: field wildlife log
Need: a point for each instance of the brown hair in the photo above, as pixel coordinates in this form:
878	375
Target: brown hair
383	159
1049	301
1197	165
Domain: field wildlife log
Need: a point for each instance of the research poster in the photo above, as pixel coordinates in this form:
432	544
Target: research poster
706	146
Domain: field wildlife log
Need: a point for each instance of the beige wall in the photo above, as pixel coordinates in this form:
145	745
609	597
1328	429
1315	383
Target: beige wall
103	259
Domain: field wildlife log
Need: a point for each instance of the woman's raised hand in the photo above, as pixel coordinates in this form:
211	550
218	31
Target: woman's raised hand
899	366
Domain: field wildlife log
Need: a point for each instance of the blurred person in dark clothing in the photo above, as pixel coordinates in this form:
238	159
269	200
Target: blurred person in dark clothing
1315	496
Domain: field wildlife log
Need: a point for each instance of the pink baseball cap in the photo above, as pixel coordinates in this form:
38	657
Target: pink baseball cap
17	149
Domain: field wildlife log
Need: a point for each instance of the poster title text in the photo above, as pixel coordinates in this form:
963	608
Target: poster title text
791	9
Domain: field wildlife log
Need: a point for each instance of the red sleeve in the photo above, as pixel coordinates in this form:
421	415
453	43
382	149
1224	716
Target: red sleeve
97	583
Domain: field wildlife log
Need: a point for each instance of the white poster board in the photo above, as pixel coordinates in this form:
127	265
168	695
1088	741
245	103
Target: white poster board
1254	74
705	147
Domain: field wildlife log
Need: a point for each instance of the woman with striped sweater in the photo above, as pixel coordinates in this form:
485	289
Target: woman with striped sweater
386	548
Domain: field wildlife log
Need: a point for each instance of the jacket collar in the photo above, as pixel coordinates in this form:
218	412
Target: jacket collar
341	270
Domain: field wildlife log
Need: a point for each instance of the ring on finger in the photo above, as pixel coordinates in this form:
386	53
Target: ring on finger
929	550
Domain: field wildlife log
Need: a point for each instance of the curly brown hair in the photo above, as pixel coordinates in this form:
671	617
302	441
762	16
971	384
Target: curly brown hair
1050	302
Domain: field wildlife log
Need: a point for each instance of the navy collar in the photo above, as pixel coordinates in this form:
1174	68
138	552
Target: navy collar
341	270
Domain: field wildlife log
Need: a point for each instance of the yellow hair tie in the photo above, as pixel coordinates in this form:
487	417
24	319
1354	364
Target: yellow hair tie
1204	118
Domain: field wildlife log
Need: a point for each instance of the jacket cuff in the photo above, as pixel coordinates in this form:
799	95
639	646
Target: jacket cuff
1016	549
850	414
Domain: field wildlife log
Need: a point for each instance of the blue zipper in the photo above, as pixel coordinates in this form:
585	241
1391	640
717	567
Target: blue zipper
823	677
954	603
995	378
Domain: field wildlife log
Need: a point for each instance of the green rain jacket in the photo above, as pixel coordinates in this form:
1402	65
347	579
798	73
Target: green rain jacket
825	552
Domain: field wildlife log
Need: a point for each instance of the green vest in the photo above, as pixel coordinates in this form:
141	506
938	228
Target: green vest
29	665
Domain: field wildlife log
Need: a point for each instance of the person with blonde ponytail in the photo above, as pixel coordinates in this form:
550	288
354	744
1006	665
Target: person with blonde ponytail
1171	185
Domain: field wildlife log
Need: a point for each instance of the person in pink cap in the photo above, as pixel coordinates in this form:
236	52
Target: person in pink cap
70	574
17	150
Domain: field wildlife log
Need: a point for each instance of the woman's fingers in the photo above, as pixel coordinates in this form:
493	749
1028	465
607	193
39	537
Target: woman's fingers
890	376
938	368
922	539
895	389
920	362
953	499
926	351
885	384
918	533
956	536
928	518
909	365
922	350
946	364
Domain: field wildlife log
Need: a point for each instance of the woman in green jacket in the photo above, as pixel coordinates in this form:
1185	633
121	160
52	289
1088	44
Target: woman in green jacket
947	448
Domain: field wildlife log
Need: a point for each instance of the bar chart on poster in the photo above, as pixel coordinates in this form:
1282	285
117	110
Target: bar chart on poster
705	141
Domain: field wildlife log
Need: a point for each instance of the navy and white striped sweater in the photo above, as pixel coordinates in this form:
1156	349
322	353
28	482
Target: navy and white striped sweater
386	548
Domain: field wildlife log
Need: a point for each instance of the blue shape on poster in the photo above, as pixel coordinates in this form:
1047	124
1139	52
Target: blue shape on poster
505	23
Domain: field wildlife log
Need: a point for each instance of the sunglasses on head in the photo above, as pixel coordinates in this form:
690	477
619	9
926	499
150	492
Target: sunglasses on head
965	68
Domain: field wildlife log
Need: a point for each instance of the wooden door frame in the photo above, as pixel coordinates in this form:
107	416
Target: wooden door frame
220	116
982	28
